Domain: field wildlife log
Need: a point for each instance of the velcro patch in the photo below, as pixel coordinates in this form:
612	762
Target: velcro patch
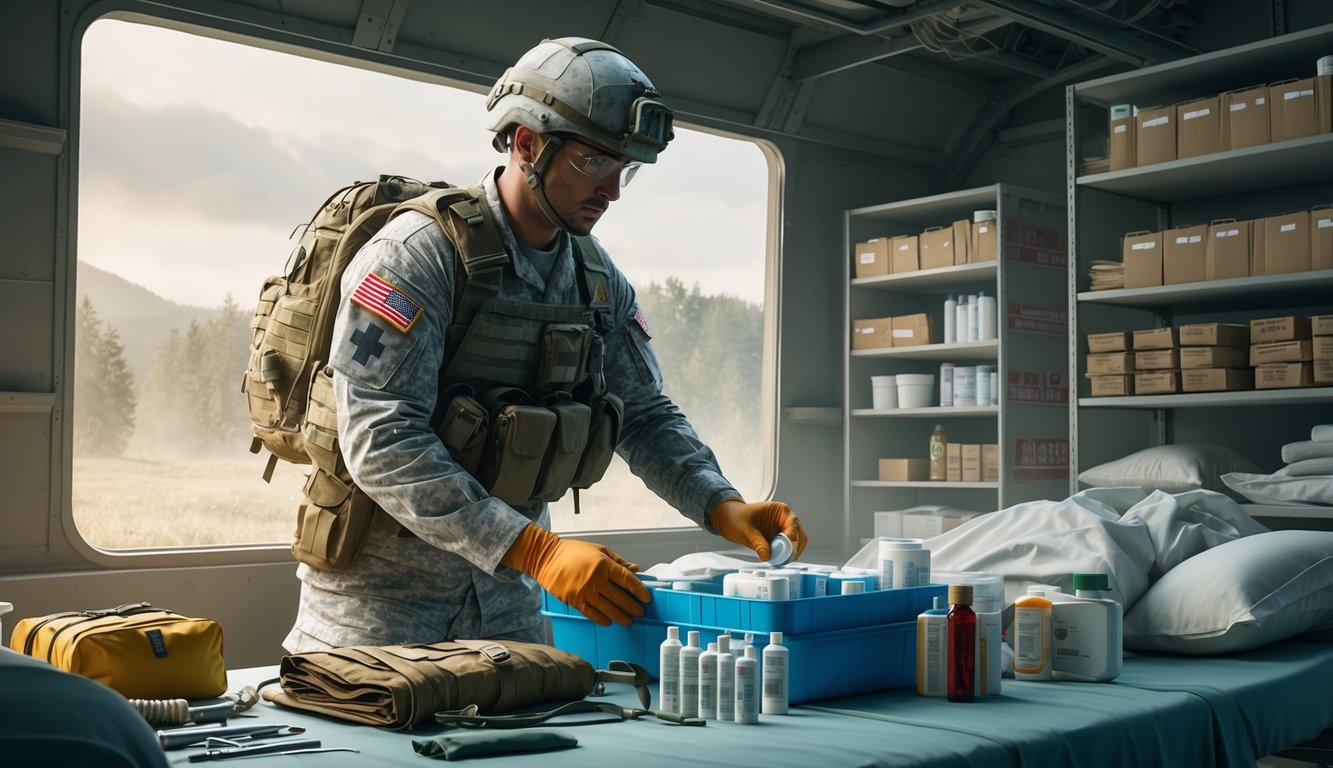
382	298
642	321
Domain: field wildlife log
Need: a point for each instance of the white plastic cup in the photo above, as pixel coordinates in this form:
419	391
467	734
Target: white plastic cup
903	563
883	392
916	390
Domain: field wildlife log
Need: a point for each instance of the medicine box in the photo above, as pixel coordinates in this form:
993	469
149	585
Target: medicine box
839	645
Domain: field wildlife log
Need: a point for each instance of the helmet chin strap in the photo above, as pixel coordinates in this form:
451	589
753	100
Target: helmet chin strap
533	173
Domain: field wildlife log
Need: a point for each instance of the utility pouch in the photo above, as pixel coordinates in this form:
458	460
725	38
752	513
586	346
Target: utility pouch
519	434
463	430
320	430
333	521
603	437
139	650
564	451
564	355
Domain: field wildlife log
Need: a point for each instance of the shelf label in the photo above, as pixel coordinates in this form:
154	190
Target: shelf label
1046	388
1029	317
1041	458
1030	243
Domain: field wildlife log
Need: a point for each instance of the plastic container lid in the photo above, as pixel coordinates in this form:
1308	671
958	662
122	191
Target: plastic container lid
916	379
779	549
1097	582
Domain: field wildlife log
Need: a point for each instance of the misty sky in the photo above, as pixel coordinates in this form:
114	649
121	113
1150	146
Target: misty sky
198	158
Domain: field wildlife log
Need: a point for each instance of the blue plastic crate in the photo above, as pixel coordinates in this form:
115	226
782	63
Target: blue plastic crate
840	645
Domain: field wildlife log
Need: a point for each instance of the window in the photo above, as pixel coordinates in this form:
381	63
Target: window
198	158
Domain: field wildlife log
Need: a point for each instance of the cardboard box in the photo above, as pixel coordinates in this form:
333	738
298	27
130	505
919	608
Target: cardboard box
1111	386
1214	335
1155	338
1157	360
1284	245
1281	352
1155	135
923	525
1283	375
871	258
1214	357
1321	348
905	254
1322	371
1121	141
911	330
985	242
962	241
1114	362
1198	127
953	462
1227	253
1321	325
990	463
1157	383
1321	237
1115	341
1299	108
872	333
1184	255
1245	117
1289	328
889	524
1216	379
1142	254
904	470
936	248
971	463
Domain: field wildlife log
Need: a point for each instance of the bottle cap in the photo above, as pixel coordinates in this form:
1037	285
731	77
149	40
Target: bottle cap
724	643
751	652
779	549
939	603
775	638
1099	582
673	633
692	637
960	594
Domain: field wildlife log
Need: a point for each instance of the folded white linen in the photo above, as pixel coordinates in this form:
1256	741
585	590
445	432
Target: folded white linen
1307	449
1307	467
1321	432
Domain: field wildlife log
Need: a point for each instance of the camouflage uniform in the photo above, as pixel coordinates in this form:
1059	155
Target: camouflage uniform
446	581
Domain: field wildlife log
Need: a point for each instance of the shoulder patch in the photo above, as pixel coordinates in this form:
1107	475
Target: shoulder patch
384	299
642	321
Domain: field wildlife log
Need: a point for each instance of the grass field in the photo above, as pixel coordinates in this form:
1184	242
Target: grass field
133	503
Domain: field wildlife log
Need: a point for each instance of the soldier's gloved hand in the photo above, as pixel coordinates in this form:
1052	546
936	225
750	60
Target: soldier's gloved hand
753	524
594	580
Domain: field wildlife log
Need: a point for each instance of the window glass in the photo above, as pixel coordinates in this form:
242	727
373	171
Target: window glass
199	158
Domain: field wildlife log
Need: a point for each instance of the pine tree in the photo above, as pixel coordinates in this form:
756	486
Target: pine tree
104	403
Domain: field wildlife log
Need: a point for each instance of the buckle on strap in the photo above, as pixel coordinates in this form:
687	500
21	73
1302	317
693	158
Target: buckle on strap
498	654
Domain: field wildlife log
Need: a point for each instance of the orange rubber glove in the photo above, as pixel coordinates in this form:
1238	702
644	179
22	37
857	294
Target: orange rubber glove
594	580
753	524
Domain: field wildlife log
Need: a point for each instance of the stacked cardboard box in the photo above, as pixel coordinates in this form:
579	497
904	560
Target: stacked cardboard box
901	331
1214	357
1259	114
1157	360
1321	327
972	463
1110	365
1282	352
962	242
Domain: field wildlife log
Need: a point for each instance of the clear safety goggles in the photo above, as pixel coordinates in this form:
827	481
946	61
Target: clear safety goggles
600	165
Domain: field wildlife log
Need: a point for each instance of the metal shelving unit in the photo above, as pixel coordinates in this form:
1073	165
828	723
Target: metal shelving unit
1028	274
1242	184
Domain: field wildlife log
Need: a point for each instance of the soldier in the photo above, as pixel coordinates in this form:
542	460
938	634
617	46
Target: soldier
452	559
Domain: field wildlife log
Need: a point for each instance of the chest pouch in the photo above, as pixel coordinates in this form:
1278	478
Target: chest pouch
564	355
603	436
520	433
462	427
565	451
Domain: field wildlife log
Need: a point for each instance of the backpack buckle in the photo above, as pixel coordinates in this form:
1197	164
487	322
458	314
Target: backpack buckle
498	654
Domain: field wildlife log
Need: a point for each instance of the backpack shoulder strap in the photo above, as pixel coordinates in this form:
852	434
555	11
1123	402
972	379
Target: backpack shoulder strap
594	273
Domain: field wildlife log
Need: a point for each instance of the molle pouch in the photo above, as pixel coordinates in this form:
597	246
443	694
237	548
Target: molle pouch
565	450
519	434
564	360
333	521
462	428
603	436
320	430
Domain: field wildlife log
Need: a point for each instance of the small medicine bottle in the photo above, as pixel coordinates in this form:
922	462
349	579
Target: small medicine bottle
938	443
669	671
689	675
962	684
1032	636
774	699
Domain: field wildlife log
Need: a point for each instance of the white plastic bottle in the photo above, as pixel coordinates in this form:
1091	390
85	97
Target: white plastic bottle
932	645
1087	632
960	319
973	327
689	675
775	675
1032	636
986	317
708	683
726	680
950	319
747	686
946	383
668	671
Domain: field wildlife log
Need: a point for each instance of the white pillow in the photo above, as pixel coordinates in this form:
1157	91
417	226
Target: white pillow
1170	468
1278	488
1243	594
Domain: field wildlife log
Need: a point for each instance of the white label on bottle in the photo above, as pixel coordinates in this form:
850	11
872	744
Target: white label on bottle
1237	106
1287	228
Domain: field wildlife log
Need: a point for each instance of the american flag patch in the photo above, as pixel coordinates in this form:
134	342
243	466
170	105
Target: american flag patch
642	321
382	298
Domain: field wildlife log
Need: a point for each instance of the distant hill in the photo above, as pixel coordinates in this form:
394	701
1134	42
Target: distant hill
142	317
